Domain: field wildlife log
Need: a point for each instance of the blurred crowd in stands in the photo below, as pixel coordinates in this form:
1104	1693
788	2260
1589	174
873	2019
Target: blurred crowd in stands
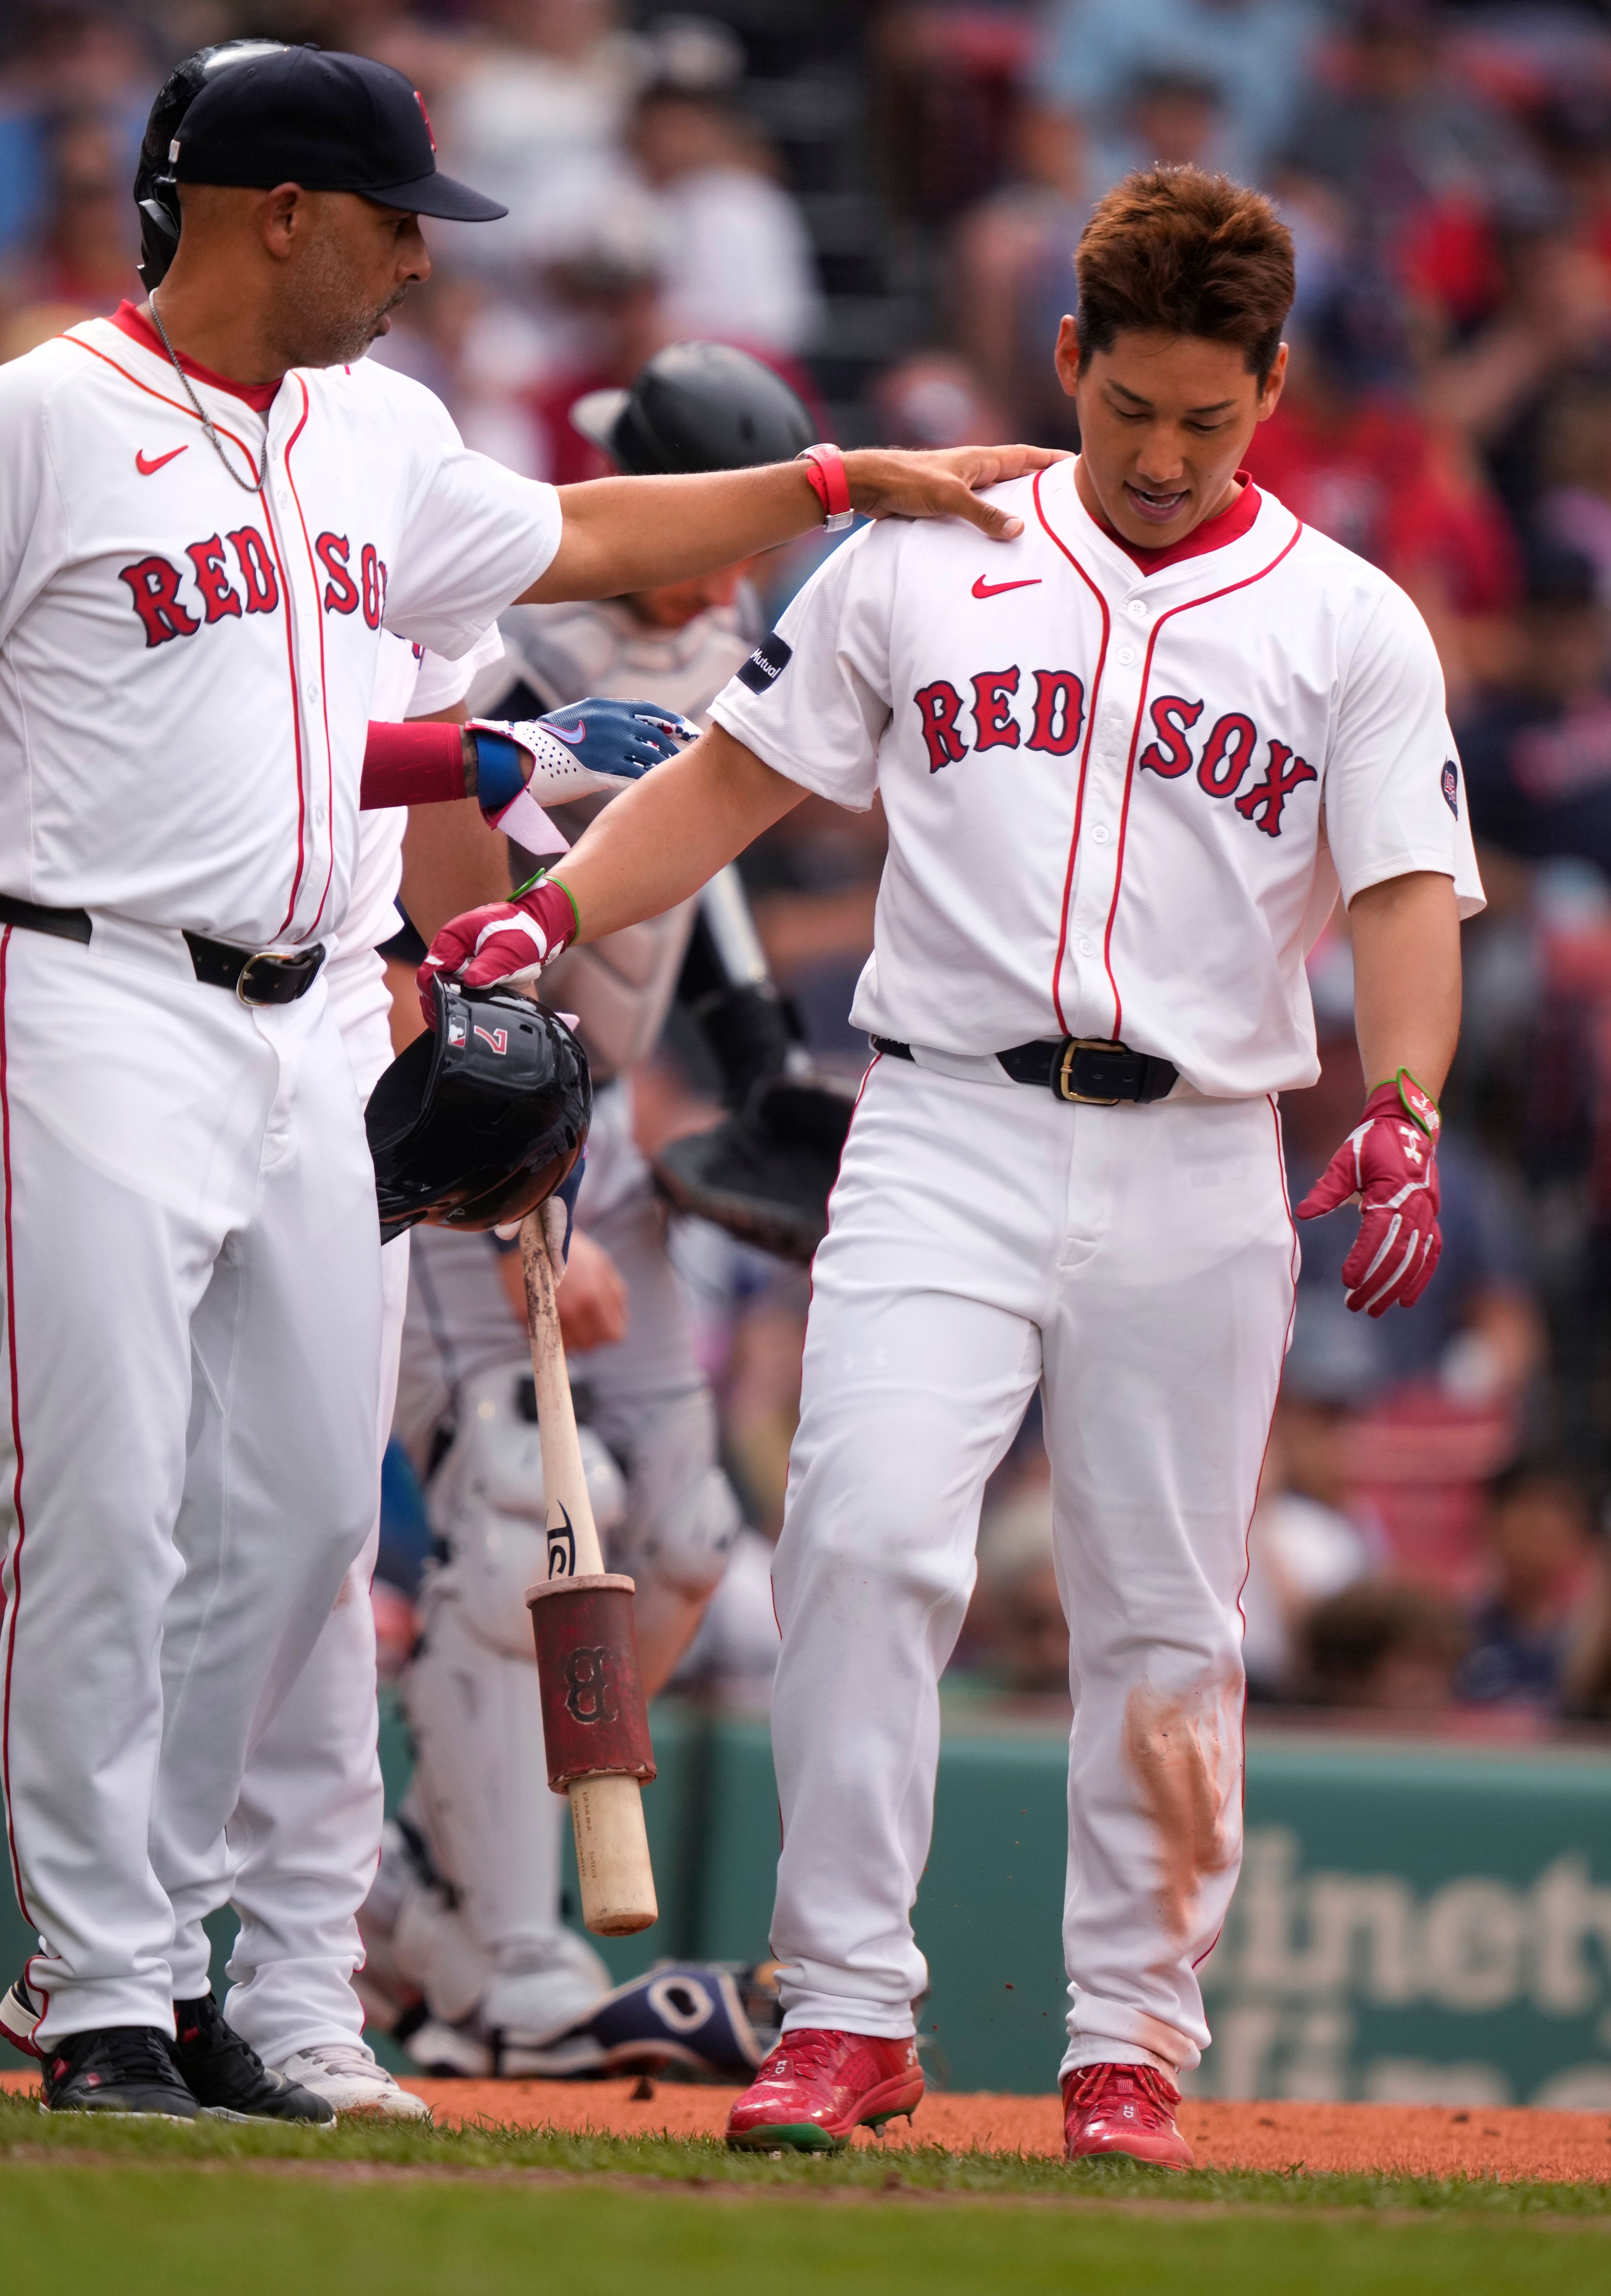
883	201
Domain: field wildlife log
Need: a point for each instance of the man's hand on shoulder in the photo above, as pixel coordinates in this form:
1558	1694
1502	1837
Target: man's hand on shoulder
885	483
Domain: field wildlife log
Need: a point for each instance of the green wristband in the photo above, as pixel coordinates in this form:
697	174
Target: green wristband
543	878
1416	1101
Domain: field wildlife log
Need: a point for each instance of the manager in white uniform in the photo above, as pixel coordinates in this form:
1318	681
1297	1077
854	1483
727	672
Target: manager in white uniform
207	518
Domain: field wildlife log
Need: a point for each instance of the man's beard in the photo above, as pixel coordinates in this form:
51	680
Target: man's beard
319	326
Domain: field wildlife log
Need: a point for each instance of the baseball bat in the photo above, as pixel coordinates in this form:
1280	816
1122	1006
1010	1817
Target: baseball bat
606	1812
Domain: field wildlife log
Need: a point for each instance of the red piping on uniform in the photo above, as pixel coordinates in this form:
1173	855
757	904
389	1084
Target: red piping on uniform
330	770
839	1167
810	1294
130	320
1079	803
296	721
1184	607
1281	1166
10	1342
295	715
178	405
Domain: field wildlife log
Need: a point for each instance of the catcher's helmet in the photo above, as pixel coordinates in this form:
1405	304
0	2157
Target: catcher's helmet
154	194
481	1118
696	407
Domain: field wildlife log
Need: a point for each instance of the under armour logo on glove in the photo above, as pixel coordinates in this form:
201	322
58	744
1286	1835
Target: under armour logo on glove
503	940
577	751
1389	1162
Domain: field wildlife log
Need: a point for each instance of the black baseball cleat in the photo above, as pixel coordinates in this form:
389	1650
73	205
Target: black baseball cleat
115	2069
228	2079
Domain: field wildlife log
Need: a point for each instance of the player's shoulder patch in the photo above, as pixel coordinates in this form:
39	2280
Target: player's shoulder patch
766	664
1451	786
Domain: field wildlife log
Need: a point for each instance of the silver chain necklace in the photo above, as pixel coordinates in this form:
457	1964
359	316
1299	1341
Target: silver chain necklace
246	486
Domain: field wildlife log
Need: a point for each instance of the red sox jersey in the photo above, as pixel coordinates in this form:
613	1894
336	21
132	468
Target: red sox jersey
1121	803
186	666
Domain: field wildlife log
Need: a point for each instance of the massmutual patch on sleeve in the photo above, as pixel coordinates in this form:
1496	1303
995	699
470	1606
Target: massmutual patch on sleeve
1450	782
766	664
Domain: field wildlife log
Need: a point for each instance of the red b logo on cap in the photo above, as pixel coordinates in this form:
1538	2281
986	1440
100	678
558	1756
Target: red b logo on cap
425	116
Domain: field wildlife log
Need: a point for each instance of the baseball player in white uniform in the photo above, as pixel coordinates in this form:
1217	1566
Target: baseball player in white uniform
194	574
306	1828
1128	762
482	1926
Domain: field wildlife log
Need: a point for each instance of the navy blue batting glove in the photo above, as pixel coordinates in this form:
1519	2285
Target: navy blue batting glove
559	1219
590	746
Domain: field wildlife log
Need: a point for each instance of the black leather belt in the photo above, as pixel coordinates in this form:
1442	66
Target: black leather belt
257	978
1087	1069
66	924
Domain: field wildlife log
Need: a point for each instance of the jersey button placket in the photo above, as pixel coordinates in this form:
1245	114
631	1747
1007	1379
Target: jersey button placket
1088	998
303	610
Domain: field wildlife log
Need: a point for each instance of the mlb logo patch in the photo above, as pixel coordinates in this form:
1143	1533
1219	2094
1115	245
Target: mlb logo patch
1451	786
766	664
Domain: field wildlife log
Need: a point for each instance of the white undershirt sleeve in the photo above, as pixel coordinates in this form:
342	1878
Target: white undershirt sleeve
440	682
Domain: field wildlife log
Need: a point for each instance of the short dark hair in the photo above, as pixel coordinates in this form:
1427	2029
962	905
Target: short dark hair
1351	1635
1177	251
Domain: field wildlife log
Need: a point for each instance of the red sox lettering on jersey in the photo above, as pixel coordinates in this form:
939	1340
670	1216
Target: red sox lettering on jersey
1058	712
186	681
1121	801
154	583
145	574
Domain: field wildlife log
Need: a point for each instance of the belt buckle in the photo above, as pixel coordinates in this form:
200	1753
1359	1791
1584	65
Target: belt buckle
242	978
1061	1073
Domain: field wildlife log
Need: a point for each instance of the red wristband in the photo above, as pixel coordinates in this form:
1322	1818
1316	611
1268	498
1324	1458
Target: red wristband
825	469
412	764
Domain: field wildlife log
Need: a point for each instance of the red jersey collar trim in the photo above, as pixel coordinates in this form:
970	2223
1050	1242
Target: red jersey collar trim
133	323
1227	525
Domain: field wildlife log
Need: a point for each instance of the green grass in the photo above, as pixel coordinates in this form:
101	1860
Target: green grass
158	2211
166	2232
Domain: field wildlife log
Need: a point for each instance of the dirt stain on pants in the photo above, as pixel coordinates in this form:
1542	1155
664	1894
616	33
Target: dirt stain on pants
1181	1752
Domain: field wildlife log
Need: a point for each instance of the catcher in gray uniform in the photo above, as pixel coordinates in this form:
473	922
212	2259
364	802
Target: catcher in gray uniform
469	1961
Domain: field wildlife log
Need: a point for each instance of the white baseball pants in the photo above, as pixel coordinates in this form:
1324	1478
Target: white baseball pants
1139	1264
305	1833
192	1282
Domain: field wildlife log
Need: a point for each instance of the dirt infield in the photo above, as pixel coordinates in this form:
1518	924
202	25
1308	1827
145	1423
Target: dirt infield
1412	2140
1506	2143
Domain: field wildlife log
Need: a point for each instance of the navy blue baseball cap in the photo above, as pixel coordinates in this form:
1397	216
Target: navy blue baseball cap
331	123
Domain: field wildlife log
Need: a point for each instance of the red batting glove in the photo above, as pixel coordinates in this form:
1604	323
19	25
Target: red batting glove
505	940
1389	1162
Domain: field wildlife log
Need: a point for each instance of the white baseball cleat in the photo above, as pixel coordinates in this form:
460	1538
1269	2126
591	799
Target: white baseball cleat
346	2074
523	2026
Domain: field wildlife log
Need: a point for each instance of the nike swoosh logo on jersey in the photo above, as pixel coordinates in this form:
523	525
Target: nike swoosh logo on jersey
983	590
146	467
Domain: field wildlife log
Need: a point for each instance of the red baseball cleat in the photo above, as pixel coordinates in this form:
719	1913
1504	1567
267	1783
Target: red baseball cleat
1127	2109
817	2086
